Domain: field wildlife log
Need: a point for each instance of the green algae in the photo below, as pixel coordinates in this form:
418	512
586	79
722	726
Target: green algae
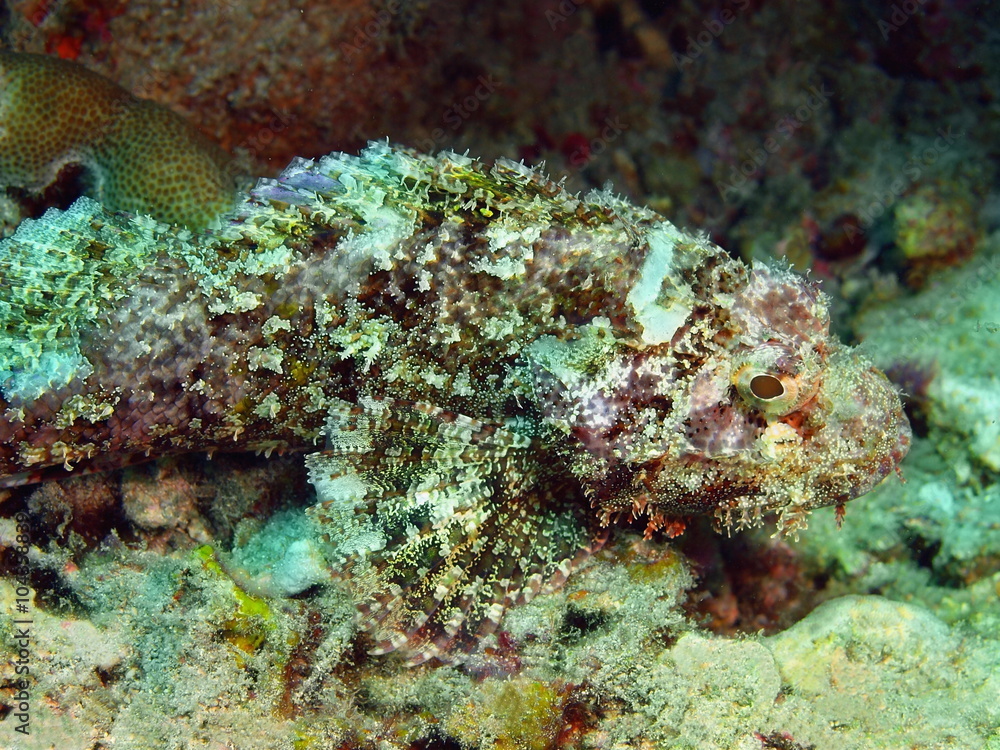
515	714
252	621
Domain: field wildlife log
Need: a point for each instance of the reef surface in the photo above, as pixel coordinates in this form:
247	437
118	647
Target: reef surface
188	602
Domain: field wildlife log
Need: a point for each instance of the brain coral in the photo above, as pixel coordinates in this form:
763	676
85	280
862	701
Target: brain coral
139	156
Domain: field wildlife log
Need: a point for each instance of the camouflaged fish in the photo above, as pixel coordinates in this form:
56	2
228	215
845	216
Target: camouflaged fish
497	369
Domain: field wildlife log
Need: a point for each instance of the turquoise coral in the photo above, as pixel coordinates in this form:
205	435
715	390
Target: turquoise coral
140	156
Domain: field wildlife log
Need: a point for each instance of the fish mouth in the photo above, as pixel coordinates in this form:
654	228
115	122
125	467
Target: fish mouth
867	433
885	463
843	442
901	447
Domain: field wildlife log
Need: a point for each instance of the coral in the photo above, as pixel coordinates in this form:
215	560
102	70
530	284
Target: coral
158	498
934	541
85	506
862	657
516	714
880	661
165	637
249	622
172	653
146	649
487	356
78	664
951	329
140	156
935	228
281	559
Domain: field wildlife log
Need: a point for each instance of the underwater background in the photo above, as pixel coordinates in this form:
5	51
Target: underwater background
181	603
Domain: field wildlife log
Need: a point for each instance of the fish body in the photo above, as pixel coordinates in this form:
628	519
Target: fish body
489	369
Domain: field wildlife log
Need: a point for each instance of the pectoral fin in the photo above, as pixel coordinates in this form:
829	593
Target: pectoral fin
441	521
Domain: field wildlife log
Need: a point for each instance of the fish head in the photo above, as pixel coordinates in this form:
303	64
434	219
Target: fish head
751	407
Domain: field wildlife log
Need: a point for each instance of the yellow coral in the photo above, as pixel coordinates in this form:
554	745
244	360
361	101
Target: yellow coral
516	714
140	156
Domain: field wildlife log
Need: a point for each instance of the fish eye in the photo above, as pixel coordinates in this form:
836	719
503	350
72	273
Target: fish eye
766	387
773	393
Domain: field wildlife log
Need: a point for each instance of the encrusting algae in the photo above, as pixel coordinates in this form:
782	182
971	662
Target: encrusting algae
493	371
139	155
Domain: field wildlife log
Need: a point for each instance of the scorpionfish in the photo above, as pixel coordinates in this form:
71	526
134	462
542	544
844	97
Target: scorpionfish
490	371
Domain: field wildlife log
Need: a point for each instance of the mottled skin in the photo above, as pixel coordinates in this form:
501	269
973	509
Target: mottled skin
486	356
